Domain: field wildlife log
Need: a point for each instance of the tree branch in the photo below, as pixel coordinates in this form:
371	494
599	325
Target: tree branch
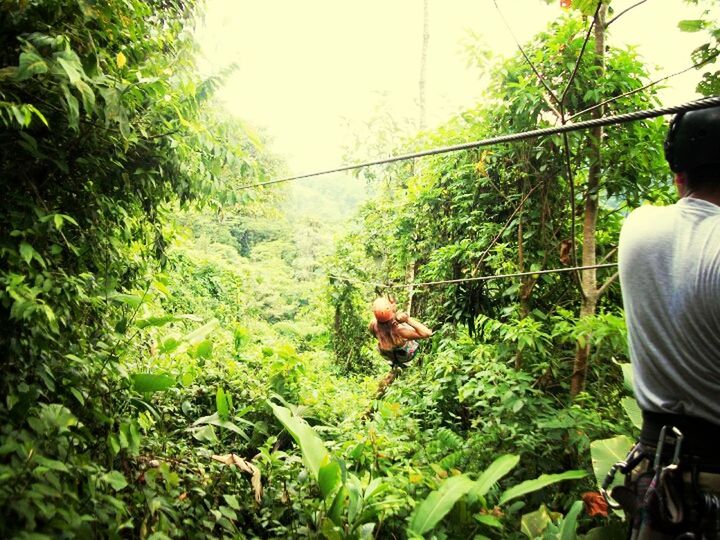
607	284
579	58
623	12
532	66
650	84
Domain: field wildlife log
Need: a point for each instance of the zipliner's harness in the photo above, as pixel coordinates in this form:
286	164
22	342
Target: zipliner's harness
400	356
672	479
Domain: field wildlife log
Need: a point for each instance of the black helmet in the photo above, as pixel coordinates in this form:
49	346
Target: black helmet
693	140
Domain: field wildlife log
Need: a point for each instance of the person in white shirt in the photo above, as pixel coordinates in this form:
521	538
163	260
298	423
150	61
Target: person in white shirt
669	263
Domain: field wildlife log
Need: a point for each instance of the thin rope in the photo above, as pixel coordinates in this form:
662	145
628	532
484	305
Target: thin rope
479	278
512	137
353	280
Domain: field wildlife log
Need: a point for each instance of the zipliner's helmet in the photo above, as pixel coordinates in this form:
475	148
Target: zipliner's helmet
383	309
693	140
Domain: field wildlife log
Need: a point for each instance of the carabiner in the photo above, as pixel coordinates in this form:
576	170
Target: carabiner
625	466
661	445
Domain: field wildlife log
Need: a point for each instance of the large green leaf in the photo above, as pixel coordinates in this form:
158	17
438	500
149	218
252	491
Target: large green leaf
692	25
115	479
132	300
542	481
196	336
313	450
338	503
329	478
26	251
152	382
438	503
628	378
632	409
163	320
70	64
569	524
499	468
30	64
533	524
215	420
222	403
606	452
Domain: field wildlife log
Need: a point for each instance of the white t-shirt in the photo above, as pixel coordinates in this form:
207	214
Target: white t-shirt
669	260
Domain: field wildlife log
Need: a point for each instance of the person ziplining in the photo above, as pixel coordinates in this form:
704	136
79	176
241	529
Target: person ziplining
396	333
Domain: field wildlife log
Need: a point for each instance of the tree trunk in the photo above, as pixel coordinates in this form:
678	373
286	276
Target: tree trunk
412	271
421	125
588	281
423	66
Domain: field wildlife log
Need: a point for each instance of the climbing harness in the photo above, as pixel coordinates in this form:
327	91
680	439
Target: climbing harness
662	490
400	356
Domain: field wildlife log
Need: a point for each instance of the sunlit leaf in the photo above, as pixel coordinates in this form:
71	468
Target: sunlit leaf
438	503
631	407
131	300
151	382
692	25
499	468
542	481
30	64
569	522
311	446
201	333
605	453
26	252
221	403
206	433
533	524
628	377
329	477
115	479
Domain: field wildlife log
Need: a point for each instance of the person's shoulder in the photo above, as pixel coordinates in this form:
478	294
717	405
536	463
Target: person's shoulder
647	216
648	211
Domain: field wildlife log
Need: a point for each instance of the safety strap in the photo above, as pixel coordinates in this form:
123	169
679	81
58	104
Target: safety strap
660	499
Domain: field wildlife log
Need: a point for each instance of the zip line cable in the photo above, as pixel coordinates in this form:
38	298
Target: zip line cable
479	278
512	137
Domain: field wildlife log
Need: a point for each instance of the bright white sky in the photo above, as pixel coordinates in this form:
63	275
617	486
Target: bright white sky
311	73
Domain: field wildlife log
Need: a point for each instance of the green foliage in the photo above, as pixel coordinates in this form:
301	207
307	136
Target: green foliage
706	55
104	132
552	525
169	341
315	455
438	503
543	481
607	452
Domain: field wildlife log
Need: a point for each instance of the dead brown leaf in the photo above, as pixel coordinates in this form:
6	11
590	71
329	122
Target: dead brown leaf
595	504
245	466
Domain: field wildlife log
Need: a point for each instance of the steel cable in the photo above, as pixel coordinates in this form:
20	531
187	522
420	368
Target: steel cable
478	278
512	137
